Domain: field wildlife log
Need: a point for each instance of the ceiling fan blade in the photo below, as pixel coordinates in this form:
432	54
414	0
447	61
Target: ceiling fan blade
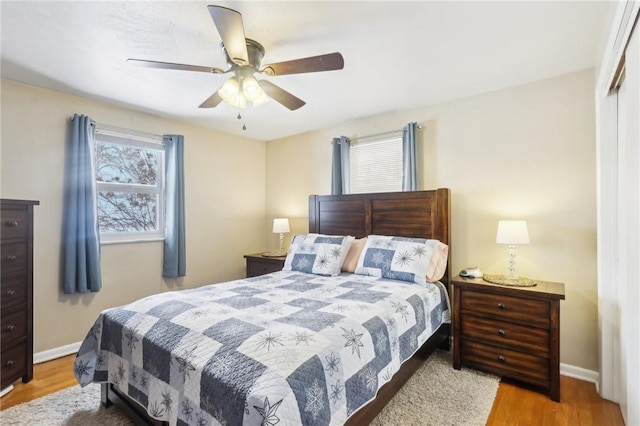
280	95
328	62
229	25
212	101
172	66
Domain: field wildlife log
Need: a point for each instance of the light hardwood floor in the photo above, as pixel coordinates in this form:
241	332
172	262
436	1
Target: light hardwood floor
514	405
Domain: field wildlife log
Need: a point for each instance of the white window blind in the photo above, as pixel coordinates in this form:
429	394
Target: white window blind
376	165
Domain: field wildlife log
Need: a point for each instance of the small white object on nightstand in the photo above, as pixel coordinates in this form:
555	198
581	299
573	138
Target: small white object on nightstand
474	272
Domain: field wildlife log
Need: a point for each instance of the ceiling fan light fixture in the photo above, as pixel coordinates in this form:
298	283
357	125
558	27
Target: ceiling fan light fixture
250	89
230	92
230	89
237	93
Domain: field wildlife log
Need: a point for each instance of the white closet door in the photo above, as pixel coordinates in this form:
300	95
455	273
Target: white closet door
629	232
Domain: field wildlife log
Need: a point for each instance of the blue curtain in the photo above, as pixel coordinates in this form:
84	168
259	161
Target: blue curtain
409	169
81	236
175	261
340	166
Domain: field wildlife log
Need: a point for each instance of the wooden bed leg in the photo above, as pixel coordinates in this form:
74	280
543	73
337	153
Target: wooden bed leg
104	395
446	343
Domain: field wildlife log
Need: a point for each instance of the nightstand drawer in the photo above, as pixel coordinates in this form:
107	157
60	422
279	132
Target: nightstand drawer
505	362
14	327
260	268
257	264
503	333
524	311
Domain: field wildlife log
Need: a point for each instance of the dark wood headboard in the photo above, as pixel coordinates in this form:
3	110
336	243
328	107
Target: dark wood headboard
418	214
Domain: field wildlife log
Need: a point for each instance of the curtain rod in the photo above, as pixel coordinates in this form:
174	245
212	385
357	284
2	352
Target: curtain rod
121	131
90	120
390	132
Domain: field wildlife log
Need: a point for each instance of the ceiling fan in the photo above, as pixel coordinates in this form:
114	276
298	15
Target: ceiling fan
243	57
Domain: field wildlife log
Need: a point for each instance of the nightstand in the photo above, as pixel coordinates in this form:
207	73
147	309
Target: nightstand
257	264
510	331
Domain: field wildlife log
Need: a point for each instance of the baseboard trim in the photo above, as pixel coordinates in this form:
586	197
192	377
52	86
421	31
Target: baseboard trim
54	353
580	373
565	369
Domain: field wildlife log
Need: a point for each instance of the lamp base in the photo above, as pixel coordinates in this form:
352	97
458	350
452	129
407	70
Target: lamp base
274	254
504	280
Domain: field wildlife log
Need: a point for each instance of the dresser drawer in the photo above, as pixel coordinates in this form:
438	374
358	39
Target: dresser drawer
13	363
506	362
13	291
14	327
14	224
504	333
14	257
521	310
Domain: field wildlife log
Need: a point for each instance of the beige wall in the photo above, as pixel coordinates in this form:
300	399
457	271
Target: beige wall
525	152
225	207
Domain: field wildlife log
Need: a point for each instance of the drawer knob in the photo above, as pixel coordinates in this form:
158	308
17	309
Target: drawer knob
501	358
10	363
11	258
11	292
502	333
12	223
502	306
11	327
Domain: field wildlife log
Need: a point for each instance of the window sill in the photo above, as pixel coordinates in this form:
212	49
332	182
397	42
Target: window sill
131	241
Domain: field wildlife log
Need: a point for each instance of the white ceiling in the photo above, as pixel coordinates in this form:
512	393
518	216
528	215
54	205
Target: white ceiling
398	55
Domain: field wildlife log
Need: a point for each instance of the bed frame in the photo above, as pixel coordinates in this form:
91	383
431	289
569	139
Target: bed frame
420	214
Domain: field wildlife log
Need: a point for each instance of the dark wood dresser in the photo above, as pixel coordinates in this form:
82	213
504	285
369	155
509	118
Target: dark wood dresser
16	291
510	331
257	264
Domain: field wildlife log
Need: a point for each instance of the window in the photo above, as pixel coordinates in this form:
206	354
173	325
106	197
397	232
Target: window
130	183
375	165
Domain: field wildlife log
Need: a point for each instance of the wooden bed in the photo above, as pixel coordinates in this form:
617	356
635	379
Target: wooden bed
421	214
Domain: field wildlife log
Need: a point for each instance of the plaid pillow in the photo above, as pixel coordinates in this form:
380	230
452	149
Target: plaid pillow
317	254
400	258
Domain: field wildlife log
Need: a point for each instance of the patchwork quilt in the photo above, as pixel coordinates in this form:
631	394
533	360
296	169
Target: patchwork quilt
286	348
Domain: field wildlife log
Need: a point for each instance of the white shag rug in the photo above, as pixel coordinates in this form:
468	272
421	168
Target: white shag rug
435	395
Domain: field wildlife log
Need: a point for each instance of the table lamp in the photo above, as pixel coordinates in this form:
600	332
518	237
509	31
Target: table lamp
280	226
512	232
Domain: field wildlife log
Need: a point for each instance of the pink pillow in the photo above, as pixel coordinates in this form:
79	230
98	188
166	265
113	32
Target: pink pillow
351	259
438	262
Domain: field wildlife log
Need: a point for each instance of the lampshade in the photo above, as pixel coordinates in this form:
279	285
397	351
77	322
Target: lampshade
512	232
280	225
